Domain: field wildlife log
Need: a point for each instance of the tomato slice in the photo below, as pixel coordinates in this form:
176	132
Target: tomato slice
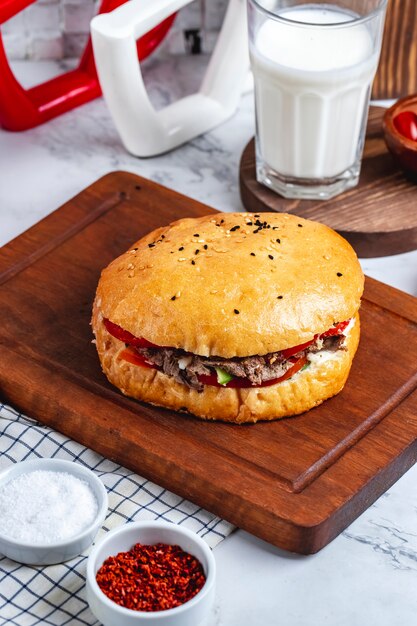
244	383
140	342
126	336
136	359
291	351
335	330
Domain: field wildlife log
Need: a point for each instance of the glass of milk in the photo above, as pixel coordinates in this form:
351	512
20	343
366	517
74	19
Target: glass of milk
313	67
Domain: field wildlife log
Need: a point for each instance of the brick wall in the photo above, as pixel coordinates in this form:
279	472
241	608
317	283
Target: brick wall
56	29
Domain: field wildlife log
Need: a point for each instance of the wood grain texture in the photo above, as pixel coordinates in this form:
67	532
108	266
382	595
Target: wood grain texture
297	482
397	71
378	217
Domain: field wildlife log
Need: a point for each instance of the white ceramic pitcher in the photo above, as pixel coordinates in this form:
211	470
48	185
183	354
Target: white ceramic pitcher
144	131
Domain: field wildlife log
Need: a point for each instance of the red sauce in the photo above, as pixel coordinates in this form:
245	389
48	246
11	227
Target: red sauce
406	124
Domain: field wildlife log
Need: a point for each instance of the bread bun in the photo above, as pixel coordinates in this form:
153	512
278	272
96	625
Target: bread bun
312	281
231	285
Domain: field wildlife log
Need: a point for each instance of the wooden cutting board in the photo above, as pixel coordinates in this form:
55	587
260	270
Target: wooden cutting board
296	482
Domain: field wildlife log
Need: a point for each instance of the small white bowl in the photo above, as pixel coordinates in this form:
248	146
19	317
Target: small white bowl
58	552
191	613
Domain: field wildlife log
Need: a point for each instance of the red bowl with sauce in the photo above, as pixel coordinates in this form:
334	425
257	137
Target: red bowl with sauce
400	132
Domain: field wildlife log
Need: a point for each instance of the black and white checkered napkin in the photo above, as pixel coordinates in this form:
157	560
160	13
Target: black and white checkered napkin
55	594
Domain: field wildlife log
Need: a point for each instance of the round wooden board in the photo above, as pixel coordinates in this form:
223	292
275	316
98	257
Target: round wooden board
378	217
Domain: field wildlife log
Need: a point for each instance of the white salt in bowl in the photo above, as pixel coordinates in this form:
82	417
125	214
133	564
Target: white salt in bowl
192	613
60	551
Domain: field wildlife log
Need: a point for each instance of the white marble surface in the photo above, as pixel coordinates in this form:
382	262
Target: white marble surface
368	575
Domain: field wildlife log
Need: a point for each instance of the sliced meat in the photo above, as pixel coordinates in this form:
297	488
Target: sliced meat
256	368
185	367
333	343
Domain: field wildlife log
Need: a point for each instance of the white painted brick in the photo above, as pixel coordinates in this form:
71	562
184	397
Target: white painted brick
214	14
15	45
41	17
68	23
77	17
174	42
209	40
208	12
46	45
74	44
190	16
16	24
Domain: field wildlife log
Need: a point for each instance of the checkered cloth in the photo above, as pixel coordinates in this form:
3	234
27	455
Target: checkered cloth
55	594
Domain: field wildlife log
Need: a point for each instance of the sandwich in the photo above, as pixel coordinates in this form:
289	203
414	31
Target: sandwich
237	317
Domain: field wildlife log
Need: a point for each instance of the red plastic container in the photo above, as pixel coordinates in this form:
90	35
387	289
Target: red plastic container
21	108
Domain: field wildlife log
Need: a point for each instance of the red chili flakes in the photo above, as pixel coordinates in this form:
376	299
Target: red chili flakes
151	578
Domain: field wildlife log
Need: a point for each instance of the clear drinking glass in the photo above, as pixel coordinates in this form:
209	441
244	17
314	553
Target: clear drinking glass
313	66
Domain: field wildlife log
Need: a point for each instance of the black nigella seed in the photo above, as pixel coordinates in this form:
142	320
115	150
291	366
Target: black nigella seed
135	249
193	262
252	254
271	257
249	223
280	297
278	240
299	225
197	251
205	246
234	228
182	248
173	297
236	311
257	215
196	235
339	274
275	228
151	245
162	236
221	221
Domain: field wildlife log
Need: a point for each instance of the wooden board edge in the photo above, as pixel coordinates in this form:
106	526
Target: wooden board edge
247	512
379	299
66	416
372	489
36	241
391	299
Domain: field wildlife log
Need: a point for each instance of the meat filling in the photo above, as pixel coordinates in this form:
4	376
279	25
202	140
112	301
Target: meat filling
185	367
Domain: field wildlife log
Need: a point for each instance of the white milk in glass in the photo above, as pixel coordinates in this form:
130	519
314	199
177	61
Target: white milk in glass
312	86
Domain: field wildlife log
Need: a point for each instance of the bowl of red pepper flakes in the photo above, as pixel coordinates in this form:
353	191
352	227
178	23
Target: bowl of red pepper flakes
151	571
400	133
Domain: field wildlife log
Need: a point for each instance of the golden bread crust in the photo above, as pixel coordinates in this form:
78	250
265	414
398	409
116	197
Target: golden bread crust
225	299
302	392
